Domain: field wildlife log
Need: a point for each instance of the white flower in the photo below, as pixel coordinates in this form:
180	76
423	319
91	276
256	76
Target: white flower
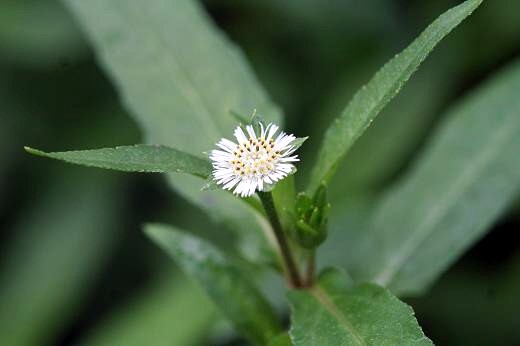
257	159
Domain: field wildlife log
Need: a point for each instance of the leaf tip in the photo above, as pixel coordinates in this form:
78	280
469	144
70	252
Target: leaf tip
34	151
150	230
159	233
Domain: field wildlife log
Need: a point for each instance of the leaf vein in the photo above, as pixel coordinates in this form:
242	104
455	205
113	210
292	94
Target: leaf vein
323	298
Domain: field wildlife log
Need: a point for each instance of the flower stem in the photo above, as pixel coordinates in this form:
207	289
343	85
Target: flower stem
311	269
290	265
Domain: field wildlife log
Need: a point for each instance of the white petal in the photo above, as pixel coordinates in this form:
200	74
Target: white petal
285	167
232	183
289	151
289	159
283	141
239	134
227	145
217	152
262	131
240	187
260	184
272	131
251	131
252	188
222	173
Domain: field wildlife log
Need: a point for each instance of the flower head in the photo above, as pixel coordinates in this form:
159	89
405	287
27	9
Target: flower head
257	160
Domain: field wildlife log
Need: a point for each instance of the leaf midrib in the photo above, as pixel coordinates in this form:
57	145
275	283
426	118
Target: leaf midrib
391	93
322	297
192	95
109	165
459	187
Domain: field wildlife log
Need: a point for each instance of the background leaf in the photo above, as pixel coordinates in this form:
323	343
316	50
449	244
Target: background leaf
336	313
389	143
53	94
44	277
493	321
374	96
237	298
39	33
179	77
173	311
135	158
464	181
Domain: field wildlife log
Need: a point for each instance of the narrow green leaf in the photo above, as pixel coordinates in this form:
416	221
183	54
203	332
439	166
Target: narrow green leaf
171	312
48	267
333	312
466	178
135	158
231	291
180	77
373	97
390	142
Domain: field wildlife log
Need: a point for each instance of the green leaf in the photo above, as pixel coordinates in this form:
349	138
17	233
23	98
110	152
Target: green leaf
334	312
281	340
39	34
347	227
238	298
284	195
171	312
48	268
298	142
135	158
180	77
391	142
373	97
239	117
466	178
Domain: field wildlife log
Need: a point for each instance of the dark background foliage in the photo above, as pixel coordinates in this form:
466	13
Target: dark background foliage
72	254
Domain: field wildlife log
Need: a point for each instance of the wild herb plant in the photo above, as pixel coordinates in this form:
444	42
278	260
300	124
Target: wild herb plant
190	90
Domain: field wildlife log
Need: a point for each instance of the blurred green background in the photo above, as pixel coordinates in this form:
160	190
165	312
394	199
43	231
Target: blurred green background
75	267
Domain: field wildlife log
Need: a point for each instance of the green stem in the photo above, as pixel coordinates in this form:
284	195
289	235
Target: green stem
311	269
290	265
